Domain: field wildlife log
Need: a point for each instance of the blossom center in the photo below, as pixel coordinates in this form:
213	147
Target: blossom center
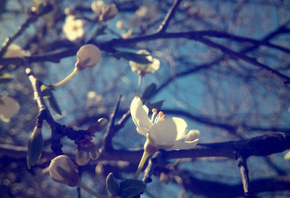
156	117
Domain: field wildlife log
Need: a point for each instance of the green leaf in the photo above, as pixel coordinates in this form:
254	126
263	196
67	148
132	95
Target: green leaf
35	146
47	93
149	91
156	105
138	58
112	184
53	104
131	188
5	78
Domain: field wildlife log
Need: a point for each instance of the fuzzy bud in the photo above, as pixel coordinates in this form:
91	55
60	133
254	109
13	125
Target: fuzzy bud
82	157
62	170
35	146
88	56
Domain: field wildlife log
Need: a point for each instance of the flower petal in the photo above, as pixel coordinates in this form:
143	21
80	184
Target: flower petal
169	130
140	116
184	145
154	66
181	128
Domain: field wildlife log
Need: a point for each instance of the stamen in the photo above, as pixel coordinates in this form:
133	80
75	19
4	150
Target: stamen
154	112
163	117
160	114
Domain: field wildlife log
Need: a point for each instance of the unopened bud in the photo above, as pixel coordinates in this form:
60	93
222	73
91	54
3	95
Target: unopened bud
88	56
35	146
93	152
109	11
82	157
62	170
99	125
192	135
164	178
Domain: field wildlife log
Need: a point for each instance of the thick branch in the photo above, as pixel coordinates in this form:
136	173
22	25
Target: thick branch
259	146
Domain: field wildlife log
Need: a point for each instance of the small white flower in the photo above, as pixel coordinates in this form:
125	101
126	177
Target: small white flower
163	133
143	69
62	170
160	132
15	51
8	108
88	56
73	28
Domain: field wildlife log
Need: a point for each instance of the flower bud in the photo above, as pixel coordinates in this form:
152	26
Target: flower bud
99	125
8	108
88	56
97	7
82	157
104	11
109	11
35	146
164	178
93	152
62	170
192	135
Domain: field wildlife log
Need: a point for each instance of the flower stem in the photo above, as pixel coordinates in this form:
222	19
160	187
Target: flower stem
67	78
145	155
139	84
85	188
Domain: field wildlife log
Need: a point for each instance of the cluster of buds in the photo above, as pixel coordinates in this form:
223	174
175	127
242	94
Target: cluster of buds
85	153
88	150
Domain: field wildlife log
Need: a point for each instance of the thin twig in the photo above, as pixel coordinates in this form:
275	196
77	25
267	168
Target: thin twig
21	29
242	163
283	78
107	143
168	17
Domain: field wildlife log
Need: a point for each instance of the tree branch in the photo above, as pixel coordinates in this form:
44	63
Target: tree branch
168	17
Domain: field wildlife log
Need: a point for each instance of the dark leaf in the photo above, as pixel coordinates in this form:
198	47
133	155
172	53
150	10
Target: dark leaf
138	58
149	91
131	188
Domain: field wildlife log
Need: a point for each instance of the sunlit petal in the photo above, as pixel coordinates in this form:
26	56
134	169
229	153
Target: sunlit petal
181	128
140	116
164	131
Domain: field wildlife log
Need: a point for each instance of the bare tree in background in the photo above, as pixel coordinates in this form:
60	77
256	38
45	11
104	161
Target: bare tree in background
224	68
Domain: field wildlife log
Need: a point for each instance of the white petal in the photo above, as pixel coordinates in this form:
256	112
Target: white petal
184	145
169	130
154	66
181	128
140	116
